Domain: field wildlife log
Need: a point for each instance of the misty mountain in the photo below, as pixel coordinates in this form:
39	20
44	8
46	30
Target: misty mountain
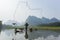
54	20
45	20
54	24
10	22
32	20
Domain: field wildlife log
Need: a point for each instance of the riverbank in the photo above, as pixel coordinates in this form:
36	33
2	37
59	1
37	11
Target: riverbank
47	28
37	27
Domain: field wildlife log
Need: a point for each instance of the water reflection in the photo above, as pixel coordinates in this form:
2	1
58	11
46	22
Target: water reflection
3	36
35	35
42	33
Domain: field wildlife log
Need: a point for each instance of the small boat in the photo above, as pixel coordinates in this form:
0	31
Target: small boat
20	30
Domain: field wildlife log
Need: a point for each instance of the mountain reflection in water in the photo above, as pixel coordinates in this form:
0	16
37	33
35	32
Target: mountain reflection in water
35	35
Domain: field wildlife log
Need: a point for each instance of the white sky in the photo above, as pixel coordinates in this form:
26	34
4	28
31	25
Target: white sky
7	10
47	9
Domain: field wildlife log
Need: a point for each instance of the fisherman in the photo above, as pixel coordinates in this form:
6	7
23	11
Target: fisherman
26	26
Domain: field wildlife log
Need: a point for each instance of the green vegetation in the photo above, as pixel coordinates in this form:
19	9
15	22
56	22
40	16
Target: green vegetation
37	27
13	27
46	27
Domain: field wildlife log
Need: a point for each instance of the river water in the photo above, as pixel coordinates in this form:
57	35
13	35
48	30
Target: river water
35	35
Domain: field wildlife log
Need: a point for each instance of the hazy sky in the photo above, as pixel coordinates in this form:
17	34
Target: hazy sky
39	8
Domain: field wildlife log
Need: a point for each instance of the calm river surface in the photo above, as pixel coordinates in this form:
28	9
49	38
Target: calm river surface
35	35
